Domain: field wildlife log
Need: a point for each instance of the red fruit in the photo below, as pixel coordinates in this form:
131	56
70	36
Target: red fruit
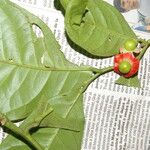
123	61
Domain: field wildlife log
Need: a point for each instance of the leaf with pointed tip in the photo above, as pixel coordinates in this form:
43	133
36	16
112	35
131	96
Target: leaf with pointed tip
31	67
28	70
96	26
131	82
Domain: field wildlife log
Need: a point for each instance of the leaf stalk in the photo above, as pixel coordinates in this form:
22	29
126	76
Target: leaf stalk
5	122
98	72
144	49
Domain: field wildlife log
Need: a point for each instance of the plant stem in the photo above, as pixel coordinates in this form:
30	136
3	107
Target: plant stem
103	70
98	72
147	44
5	122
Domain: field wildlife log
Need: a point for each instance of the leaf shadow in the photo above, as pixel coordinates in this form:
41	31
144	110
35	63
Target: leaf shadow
59	6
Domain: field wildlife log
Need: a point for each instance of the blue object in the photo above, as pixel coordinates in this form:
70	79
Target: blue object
142	28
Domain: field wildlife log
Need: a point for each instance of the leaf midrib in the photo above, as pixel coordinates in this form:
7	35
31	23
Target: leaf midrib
44	68
67	113
75	101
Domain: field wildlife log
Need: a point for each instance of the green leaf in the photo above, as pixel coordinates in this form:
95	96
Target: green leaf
54	121
96	26
51	122
131	82
44	116
53	138
28	70
63	3
40	112
31	67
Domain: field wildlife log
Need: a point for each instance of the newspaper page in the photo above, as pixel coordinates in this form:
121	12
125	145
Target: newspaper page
117	117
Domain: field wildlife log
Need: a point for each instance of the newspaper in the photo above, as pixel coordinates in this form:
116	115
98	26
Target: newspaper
117	117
